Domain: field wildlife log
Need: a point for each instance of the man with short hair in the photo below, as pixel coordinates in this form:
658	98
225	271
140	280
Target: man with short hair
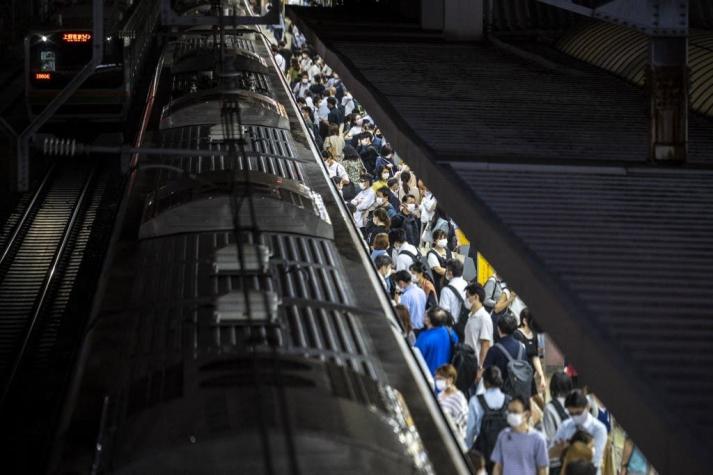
382	201
407	219
412	297
479	327
577	406
405	252
302	87
519	448
436	341
453	294
393	185
495	356
336	115
384	267
363	202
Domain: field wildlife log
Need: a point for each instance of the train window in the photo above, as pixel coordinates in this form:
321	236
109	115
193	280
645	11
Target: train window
47	61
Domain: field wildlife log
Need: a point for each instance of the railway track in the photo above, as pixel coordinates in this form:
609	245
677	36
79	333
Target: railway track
39	265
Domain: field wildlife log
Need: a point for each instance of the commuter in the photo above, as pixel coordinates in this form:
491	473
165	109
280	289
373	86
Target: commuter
428	208
581	447
384	267
452	401
382	179
334	143
368	157
355	124
315	68
438	256
519	448
346	99
285	52
393	185
352	164
309	122
633	461
408	185
363	202
555	413
407	219
279	59
423	281
528	336
436	340
405	320
487	415
577	405
317	87
300	89
382	202
293	73
501	354
452	296
334	168
336	114
405	252
380	224
380	246
581	467
479	327
385	161
412	297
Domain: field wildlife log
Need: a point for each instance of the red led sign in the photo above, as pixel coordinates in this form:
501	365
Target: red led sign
43	76
76	37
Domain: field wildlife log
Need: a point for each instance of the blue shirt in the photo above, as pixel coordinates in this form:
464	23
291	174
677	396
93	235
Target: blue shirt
378	252
495	356
435	346
494	398
414	299
520	453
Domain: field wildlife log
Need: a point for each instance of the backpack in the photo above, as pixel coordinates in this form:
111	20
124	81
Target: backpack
441	263
561	412
418	257
519	379
493	422
459	326
465	361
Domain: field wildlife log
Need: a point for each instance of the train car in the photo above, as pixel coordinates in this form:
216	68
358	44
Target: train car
53	56
229	338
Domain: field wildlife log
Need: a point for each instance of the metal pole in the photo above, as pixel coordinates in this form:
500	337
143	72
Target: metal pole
23	142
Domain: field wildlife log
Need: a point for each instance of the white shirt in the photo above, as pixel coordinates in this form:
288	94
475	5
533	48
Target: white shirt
428	207
433	259
281	63
314	69
450	302
594	428
323	111
300	89
363	202
404	261
348	103
336	169
478	328
494	398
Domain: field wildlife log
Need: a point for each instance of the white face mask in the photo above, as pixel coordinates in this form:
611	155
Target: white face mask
414	277
515	420
441	384
442	242
385	176
380	200
581	419
411	207
359	122
363	186
304	81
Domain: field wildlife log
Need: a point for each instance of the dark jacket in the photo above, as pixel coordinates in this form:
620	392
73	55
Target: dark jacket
410	225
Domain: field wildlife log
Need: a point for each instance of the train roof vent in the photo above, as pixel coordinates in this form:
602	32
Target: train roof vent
248	307
253	259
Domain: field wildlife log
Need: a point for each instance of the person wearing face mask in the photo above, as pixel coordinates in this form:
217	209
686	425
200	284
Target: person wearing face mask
336	113
423	281
438	255
363	202
487	414
453	295
393	185
451	400
385	162
479	327
302	87
383	179
382	202
408	220
428	210
384	267
412	297
519	448
577	406
555	413
334	168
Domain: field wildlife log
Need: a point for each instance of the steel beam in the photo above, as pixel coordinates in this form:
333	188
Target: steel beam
170	18
23	142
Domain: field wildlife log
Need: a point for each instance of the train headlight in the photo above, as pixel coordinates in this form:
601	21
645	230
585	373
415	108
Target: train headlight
43	38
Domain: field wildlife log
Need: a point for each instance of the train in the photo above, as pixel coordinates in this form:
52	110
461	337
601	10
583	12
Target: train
227	335
54	55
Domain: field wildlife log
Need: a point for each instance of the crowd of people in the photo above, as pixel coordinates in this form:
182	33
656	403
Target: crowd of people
482	358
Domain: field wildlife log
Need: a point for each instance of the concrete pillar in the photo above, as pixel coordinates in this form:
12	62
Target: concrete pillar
668	86
463	20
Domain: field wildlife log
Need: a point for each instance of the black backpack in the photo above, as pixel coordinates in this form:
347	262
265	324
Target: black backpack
419	258
441	263
465	361
459	326
519	378
561	412
493	422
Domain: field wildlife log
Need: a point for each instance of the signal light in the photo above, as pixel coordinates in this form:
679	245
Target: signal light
43	76
76	37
